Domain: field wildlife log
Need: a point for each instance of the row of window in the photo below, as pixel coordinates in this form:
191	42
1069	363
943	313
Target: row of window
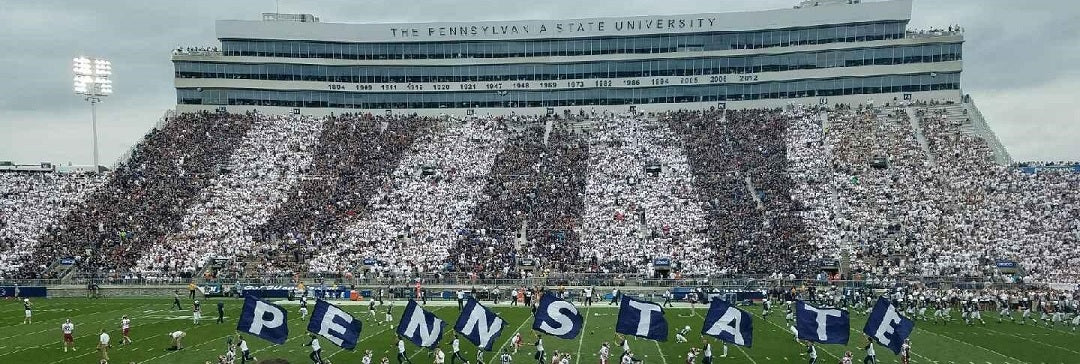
547	71
596	96
651	44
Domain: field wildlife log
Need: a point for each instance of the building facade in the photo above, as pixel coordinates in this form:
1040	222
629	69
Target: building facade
821	52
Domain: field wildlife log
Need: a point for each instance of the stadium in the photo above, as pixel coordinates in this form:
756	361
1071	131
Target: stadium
785	163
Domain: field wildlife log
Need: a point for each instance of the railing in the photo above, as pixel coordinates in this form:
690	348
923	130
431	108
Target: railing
1001	154
747	282
161	122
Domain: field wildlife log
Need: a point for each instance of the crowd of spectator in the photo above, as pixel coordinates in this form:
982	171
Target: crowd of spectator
893	191
144	198
740	168
271	159
31	202
411	221
633	215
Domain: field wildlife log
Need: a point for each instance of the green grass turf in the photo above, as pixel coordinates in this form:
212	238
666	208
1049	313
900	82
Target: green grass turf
152	319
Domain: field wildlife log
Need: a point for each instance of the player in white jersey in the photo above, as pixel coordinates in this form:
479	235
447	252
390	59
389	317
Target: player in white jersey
125	330
455	345
245	353
196	312
303	313
516	342
706	351
316	350
440	357
176	337
605	353
367	357
794	332
905	352
28	310
103	346
68	328
680	337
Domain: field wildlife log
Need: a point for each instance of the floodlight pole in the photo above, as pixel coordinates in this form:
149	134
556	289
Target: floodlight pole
93	115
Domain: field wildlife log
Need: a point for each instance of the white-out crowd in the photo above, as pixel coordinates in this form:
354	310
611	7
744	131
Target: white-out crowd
737	192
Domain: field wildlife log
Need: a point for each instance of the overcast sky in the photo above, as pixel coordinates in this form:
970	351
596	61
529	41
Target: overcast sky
1020	60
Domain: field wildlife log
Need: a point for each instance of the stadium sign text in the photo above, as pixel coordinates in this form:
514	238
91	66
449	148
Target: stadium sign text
556	28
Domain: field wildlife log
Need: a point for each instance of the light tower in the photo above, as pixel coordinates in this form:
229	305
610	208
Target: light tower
92	81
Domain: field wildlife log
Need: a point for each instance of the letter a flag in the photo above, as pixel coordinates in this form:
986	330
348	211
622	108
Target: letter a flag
642	318
421	327
335	325
887	326
557	317
264	320
823	325
727	323
479	324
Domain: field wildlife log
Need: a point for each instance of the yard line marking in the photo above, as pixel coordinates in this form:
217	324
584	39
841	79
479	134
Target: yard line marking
119	348
177	351
19	349
973	345
662	358
581	335
523	322
61	320
1034	341
782	330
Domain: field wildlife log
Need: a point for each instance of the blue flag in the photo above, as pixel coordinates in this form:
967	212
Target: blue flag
264	320
335	325
887	326
557	317
421	327
727	323
642	318
823	325
479	324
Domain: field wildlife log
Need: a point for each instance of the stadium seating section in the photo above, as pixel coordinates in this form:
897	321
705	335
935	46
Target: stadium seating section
893	191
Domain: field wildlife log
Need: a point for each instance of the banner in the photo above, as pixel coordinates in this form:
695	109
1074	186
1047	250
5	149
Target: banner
642	319
887	326
557	317
479	324
728	323
421	327
334	324
823	325
264	320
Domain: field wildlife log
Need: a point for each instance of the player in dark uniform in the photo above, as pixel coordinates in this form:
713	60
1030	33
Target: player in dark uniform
176	300
220	312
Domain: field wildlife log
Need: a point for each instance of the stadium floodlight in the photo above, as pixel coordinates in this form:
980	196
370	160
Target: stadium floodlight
92	81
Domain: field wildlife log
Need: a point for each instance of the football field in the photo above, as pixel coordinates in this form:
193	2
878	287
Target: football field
152	319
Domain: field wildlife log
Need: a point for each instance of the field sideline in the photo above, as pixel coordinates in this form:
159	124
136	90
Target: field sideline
152	319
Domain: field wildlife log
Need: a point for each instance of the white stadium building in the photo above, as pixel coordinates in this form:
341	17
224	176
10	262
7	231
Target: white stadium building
824	52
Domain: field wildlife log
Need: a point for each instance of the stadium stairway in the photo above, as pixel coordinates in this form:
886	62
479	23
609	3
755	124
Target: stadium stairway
753	192
916	126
